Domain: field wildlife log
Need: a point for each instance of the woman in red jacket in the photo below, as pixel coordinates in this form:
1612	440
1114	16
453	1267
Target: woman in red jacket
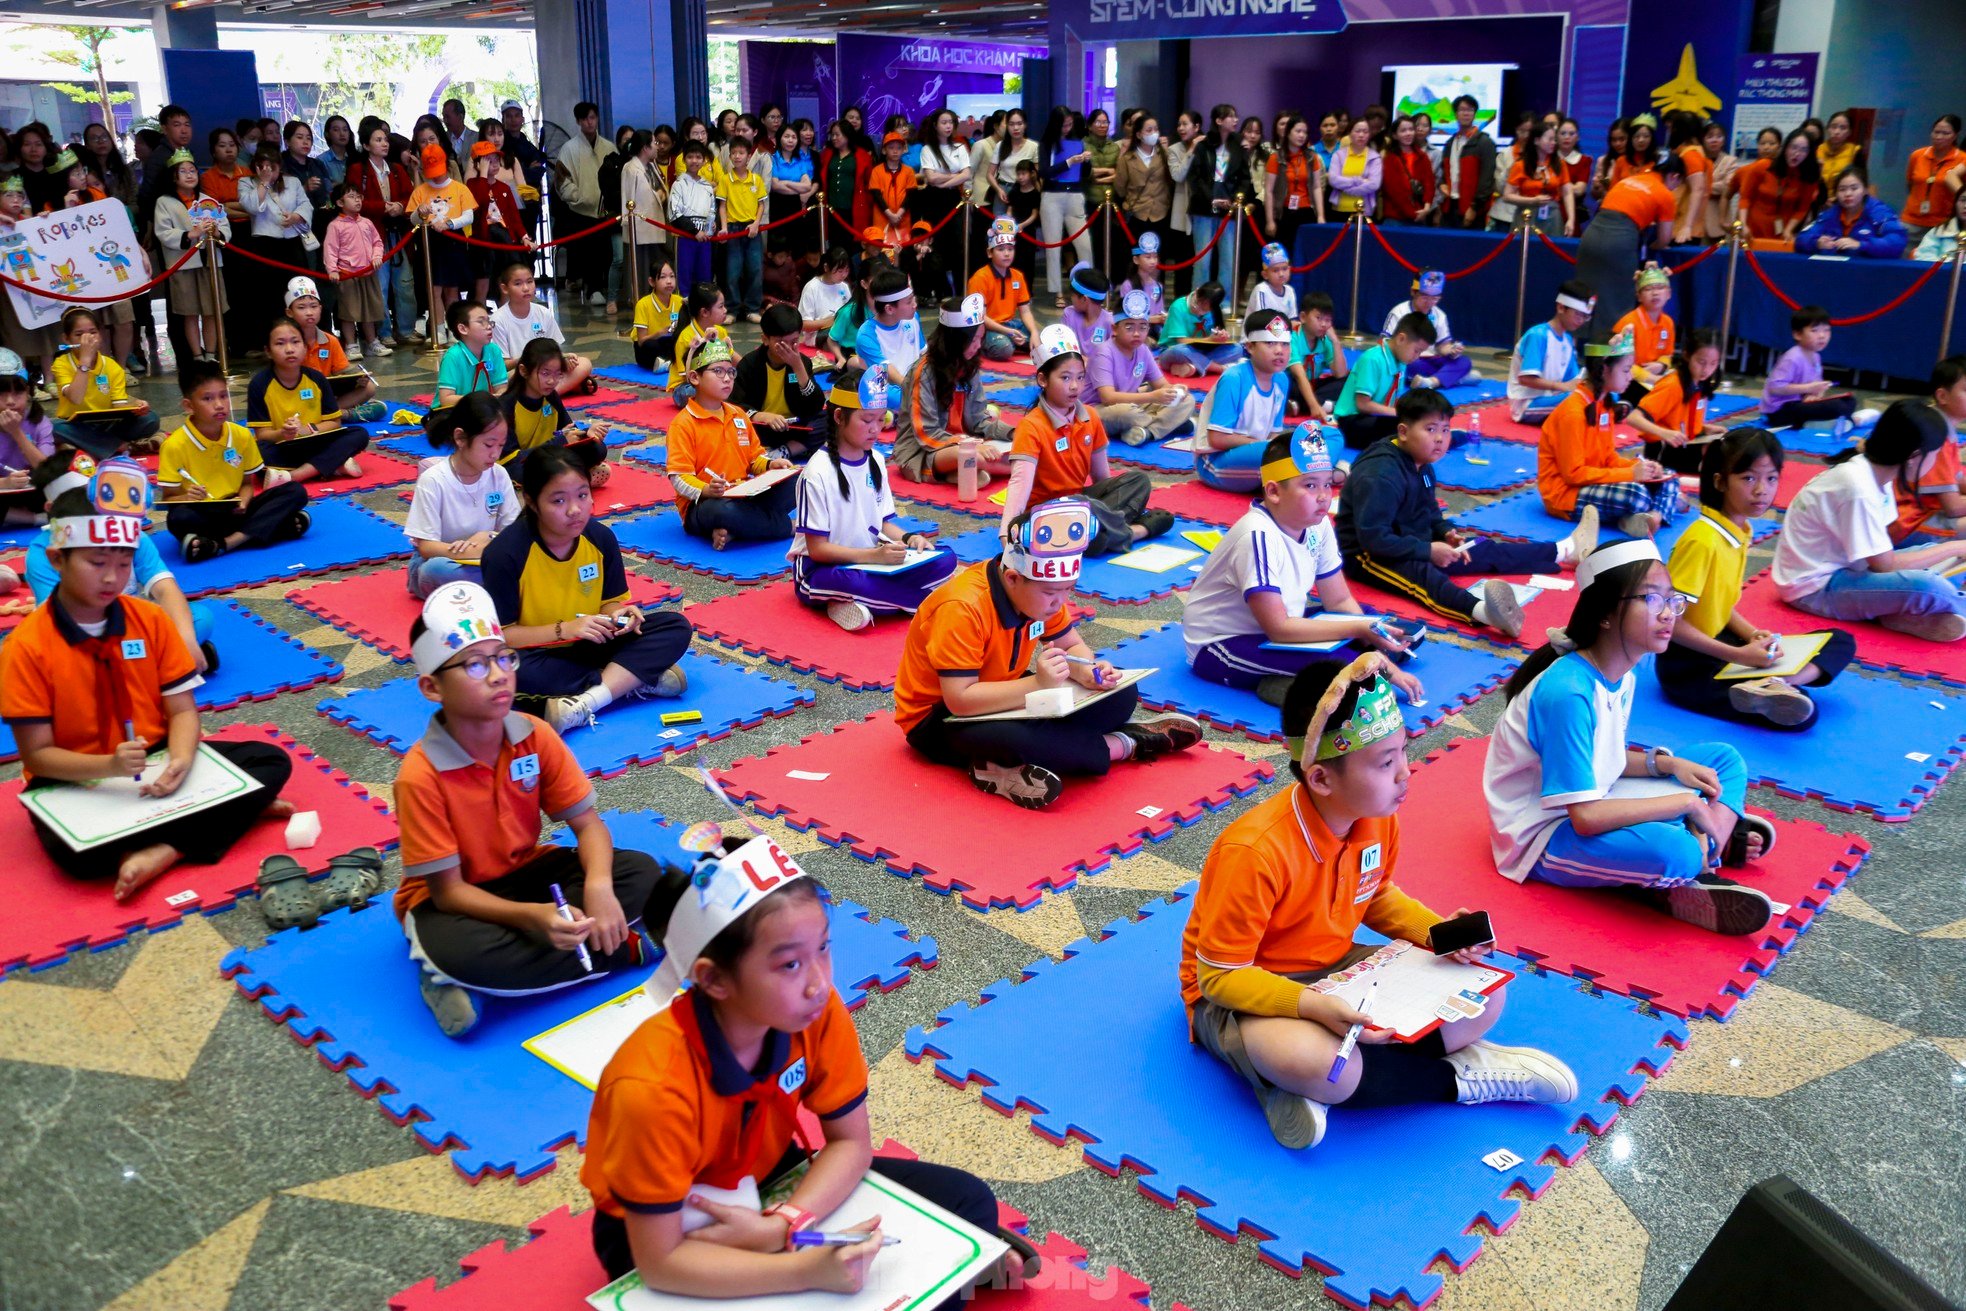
844	188
386	187
1407	183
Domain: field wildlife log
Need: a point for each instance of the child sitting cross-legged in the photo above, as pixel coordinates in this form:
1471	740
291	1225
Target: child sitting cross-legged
89	381
521	320
1318	367
323	351
1544	363
1282	893
471	362
713	446
942	402
210	474
293	414
476	900
1577	460
95	681
1559	809
1364	411
695	1123
562	595
1246	408
463	499
1394	534
1445	362
1255	592
536	412
1001	630
1194	341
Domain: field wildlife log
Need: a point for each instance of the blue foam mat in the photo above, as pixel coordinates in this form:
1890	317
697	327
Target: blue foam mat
977	544
1819	440
1017	395
1193	1129
411	445
349	988
729	697
1478	392
1508	464
660	534
635	374
256	662
1848	758
1453	676
1155	455
1721	405
1102	578
1522	516
342	536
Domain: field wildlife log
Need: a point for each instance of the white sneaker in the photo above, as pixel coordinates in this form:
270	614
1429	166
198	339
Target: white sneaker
1864	418
850	615
1427	381
597	299
1489	1072
566	713
1943	627
1499	608
377	350
276	477
9	580
671	683
1297	1121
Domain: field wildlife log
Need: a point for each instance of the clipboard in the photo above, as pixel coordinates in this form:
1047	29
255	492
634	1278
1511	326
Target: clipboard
106	810
1798	650
343	383
1418	991
1081	698
1154	558
116	413
911	560
752	486
581	1047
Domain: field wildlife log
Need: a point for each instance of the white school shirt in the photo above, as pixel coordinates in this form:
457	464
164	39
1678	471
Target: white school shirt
1257	555
1236	404
1561	741
1544	353
445	508
1436	316
1837	519
900	345
1263	298
854	520
820	299
512	333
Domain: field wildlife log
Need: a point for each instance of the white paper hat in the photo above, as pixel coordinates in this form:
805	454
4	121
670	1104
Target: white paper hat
969	314
1053	341
456	616
724	889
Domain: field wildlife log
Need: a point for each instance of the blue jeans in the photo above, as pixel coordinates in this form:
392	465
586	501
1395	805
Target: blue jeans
1214	266
428	573
1860	594
1238	469
398	296
1657	855
744	274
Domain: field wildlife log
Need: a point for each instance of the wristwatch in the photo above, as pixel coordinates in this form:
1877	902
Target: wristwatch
1652	757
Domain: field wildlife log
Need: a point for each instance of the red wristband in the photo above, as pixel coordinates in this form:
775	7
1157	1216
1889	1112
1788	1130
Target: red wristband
797	1219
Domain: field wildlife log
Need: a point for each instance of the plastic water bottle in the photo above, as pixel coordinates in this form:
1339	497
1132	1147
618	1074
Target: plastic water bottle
1474	432
968	452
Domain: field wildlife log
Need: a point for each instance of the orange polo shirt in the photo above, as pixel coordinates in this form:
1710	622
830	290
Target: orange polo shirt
1574	452
1063	455
1667	405
967	628
326	355
1643	198
1546	182
676	1108
458	813
724	443
87	688
1001	294
1927	202
1652	339
1279	892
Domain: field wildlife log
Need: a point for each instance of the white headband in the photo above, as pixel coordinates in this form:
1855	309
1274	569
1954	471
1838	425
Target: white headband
724	890
1604	559
1581	306
117	530
894	296
67	482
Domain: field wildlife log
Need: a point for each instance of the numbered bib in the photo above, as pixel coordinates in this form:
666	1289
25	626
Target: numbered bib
589	572
134	649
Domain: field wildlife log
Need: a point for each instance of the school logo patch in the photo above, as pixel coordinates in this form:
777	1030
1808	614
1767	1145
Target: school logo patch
134	649
794	1077
232	457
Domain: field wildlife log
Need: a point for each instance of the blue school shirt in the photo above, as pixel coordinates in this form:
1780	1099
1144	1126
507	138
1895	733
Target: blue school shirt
903	344
1237	404
1183	322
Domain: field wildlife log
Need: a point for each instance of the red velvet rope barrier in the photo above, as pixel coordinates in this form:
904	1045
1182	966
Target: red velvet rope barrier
1063	241
387	255
159	280
1555	249
722	236
912	241
543	245
1125	231
1344	231
1411	267
1201	254
1854	319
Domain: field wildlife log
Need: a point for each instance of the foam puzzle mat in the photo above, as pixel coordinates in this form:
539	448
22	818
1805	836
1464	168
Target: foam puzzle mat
51	916
728	697
636	374
1453	676
1550	608
1615	943
1496	423
929	820
1193	1131
1521	515
1490	467
343	535
650	414
1197	500
1818	439
1876	644
377	609
1102	576
660	535
943	495
498	1109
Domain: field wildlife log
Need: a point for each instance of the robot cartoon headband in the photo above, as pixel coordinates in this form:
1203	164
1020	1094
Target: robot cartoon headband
1375	717
1431	283
1604	559
1003	232
868	393
457	615
969	314
1308	454
1621	343
727	885
1149	244
1274	253
119	499
1050	545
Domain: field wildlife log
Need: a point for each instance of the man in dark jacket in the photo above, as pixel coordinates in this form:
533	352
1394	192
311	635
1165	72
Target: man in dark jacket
1467	171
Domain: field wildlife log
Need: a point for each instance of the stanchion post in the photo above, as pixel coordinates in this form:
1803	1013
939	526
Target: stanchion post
634	272
969	222
1235	261
823	246
1358	258
1522	268
1106	249
218	294
1734	239
1952	299
433	315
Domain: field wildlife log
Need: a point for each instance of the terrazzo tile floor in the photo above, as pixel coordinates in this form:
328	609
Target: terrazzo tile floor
162	1146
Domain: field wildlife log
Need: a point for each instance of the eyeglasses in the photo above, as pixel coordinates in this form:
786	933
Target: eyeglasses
477	667
721	371
1673	603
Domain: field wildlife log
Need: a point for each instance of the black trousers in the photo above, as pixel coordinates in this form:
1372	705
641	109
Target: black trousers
1361	430
1118	503
489	957
1686	678
1433	587
656	350
1075	744
573	667
1797	414
267	518
326	451
201	838
953	1190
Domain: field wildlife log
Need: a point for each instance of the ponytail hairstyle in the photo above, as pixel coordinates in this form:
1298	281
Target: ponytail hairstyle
872	267
948	366
545	463
1696	341
837	416
1732	454
454	427
1598	606
1905	435
540	352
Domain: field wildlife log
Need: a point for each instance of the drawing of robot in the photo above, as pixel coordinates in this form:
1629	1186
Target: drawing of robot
111	253
19	256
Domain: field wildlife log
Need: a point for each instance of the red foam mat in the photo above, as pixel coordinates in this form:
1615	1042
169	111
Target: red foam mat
379	469
1550	610
599	396
378	609
943	495
1876	644
1197	500
654	414
50	915
1495	422
1619	945
930	820
1795	475
773	622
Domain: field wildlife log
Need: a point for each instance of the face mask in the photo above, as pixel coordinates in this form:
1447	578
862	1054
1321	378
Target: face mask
1148	140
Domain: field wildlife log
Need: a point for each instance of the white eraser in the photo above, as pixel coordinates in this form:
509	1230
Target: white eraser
1051	702
303	830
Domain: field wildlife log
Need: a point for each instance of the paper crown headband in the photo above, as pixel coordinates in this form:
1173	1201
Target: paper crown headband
456	616
119	500
1050	545
1621	343
1374	718
62	162
1606	558
1054	341
709	351
726	887
1308	454
1274	253
867	392
1135	305
179	156
970	313
1149	244
1431	283
12	183
1003	232
1276	330
1653	276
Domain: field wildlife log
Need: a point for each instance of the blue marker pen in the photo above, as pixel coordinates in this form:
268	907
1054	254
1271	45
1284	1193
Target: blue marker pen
1350	1044
566	913
815	1238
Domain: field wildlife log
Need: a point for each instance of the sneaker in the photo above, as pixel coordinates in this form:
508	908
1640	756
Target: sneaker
1774	699
597	299
1163	735
1427	382
1031	786
1864	418
377	350
1716	904
850	615
672	683
1500	608
1136	436
454	1008
9	580
1271	689
566	713
299	524
1933	628
1583	538
1296	1120
1157	523
1474	375
1490	1072
134	365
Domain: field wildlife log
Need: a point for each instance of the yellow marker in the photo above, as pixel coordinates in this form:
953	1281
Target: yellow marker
683	717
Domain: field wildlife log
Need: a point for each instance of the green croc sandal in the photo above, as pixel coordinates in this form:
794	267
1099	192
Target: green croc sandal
353	877
285	896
